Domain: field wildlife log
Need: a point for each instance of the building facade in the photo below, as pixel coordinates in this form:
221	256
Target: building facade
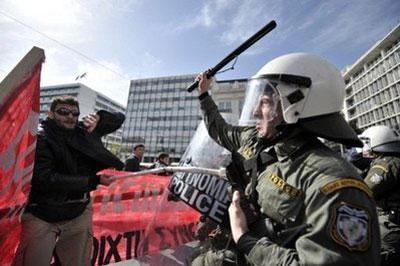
229	96
163	116
373	85
89	101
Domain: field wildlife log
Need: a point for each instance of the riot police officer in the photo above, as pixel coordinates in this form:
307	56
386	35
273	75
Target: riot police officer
310	191
383	178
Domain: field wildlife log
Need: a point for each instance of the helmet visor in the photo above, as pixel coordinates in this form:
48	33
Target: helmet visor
256	89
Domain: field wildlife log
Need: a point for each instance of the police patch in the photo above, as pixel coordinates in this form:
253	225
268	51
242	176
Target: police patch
351	227
376	179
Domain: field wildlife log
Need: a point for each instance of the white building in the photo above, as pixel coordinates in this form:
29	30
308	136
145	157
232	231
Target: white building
229	96
373	85
89	101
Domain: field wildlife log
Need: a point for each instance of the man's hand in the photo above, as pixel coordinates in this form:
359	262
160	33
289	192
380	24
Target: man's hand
106	180
90	121
204	82
237	218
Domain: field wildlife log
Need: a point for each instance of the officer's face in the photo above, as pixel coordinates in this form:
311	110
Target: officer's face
65	115
268	115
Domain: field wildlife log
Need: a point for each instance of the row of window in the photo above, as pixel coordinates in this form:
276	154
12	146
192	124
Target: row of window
377	66
67	90
142	107
163	99
154	82
386	111
378	85
378	70
175	88
371	102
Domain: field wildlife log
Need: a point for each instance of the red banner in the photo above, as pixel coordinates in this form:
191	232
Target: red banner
134	219
18	125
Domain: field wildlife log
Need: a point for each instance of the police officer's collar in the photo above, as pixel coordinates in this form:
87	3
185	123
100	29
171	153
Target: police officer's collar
289	146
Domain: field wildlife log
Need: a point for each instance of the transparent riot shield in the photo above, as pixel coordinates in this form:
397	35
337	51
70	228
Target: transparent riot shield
204	151
206	193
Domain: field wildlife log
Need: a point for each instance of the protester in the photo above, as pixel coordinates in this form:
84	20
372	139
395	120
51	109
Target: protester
132	164
58	215
320	210
162	161
383	178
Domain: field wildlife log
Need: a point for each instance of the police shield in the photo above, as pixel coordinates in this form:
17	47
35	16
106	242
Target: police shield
206	193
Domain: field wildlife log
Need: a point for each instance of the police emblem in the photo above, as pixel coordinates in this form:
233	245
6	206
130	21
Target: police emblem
376	179
351	227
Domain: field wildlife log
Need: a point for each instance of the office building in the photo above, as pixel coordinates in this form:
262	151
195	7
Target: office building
229	96
373	85
163	116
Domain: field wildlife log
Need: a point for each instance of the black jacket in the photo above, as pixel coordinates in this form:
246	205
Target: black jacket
65	167
132	164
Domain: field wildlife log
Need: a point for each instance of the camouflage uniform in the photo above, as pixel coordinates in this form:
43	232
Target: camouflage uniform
311	185
242	141
383	178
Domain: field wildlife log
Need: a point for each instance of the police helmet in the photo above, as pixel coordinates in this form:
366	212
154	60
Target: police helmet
310	91
381	139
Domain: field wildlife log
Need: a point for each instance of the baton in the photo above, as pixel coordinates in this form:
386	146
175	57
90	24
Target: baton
244	46
185	169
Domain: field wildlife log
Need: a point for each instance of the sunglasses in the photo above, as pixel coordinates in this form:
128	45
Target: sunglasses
66	112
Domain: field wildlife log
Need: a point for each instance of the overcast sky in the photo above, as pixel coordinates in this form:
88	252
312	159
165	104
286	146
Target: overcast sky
116	41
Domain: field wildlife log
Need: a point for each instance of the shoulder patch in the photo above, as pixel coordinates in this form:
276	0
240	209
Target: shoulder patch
351	226
376	179
381	167
346	183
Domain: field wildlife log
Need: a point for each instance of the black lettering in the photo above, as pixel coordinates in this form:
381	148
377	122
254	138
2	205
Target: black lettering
128	236
95	251
113	251
102	249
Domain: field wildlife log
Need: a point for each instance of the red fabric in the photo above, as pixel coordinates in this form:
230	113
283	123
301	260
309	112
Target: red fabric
18	123
133	217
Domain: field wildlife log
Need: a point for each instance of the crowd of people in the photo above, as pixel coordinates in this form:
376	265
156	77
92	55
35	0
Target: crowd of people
313	206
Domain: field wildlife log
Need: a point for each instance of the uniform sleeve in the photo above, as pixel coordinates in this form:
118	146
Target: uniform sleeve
382	177
343	231
46	178
223	133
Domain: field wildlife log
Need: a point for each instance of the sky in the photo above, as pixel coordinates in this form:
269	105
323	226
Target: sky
116	41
